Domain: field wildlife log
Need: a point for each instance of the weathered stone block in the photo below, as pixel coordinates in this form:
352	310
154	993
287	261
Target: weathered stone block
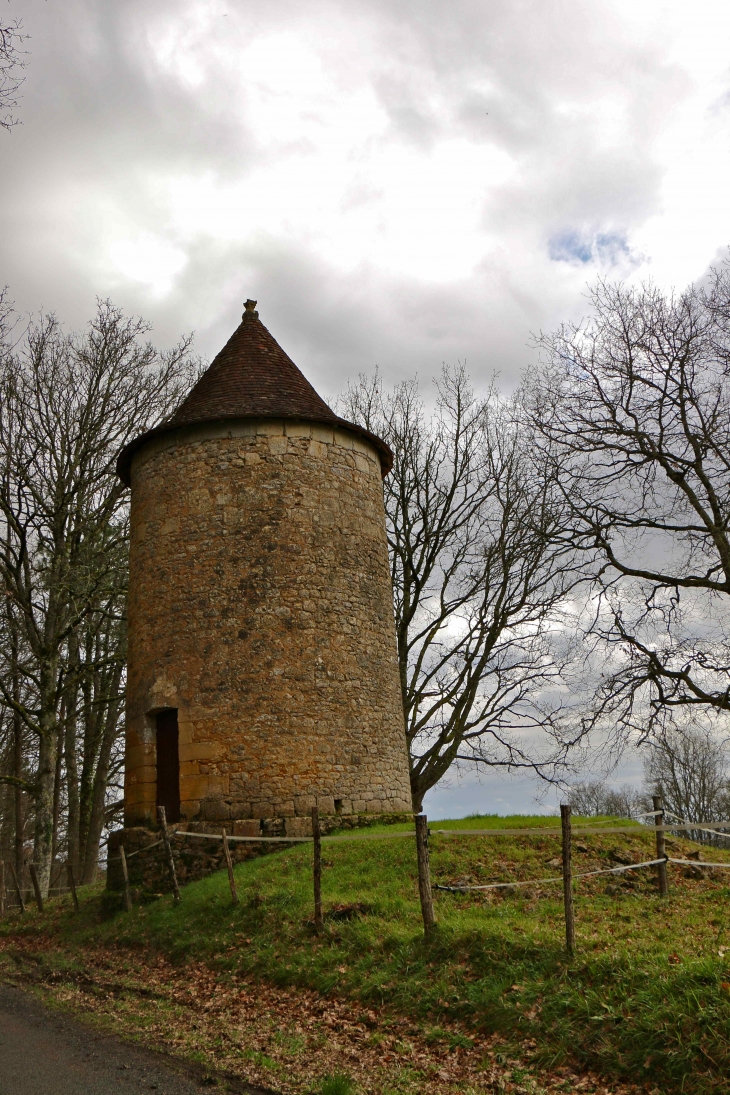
269	427
202	786
303	804
344	439
317	449
298	429
215	809
200	750
140	756
240	809
139	794
323	433
143	773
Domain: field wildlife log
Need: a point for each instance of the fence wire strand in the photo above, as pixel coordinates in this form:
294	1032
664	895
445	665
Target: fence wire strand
558	878
697	863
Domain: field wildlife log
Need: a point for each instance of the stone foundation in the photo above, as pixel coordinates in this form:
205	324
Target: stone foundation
149	873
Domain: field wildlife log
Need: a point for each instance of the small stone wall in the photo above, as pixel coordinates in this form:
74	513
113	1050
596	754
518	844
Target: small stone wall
149	873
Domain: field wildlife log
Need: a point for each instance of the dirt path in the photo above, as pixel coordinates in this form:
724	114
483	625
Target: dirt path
43	1051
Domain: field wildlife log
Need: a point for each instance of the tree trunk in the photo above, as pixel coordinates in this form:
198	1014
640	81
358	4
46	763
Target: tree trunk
92	715
18	772
47	747
43	844
72	774
98	802
57	792
6	821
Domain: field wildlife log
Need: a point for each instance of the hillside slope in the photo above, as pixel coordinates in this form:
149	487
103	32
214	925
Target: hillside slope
646	1000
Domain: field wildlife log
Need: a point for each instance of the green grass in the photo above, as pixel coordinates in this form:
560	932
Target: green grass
647	996
337	1084
498	821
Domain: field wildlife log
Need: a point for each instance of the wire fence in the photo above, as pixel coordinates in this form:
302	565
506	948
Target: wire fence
566	832
460	888
422	833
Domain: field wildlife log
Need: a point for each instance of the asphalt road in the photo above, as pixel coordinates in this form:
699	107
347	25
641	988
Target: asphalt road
44	1052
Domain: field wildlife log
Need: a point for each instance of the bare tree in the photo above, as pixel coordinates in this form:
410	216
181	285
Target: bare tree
477	577
596	798
68	403
632	409
689	769
12	61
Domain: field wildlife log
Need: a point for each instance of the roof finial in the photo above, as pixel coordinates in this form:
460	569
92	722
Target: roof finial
250	309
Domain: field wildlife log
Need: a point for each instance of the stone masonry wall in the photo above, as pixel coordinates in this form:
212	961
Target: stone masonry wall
260	607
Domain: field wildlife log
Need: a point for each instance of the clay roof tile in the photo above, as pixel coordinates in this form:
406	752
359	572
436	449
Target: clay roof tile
251	377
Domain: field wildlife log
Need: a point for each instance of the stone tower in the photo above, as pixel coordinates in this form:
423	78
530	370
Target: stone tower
262	673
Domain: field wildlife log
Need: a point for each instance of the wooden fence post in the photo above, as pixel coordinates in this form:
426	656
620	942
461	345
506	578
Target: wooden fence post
72	884
317	869
2	887
18	891
568	880
125	875
424	875
660	847
168	848
36	887
229	865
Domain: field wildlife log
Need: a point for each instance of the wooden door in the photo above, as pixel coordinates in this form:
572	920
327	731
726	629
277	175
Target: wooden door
168	764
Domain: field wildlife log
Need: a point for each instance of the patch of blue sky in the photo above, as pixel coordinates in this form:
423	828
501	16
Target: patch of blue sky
601	248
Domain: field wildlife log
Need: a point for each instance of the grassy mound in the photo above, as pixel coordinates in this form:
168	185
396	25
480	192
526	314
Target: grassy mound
647	996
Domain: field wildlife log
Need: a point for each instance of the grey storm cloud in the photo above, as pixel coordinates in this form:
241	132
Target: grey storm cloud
123	100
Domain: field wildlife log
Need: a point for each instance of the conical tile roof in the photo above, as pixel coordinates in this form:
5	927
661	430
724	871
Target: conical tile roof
251	377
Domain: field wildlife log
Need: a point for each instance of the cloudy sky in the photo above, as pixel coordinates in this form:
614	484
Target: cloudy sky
398	183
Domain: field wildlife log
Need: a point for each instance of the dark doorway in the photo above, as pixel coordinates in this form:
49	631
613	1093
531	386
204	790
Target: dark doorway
168	764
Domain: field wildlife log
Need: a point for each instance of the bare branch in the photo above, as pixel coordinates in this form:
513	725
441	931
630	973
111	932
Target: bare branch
478	574
12	61
632	409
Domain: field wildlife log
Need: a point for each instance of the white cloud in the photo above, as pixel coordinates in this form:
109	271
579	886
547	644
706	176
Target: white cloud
435	182
397	183
152	262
